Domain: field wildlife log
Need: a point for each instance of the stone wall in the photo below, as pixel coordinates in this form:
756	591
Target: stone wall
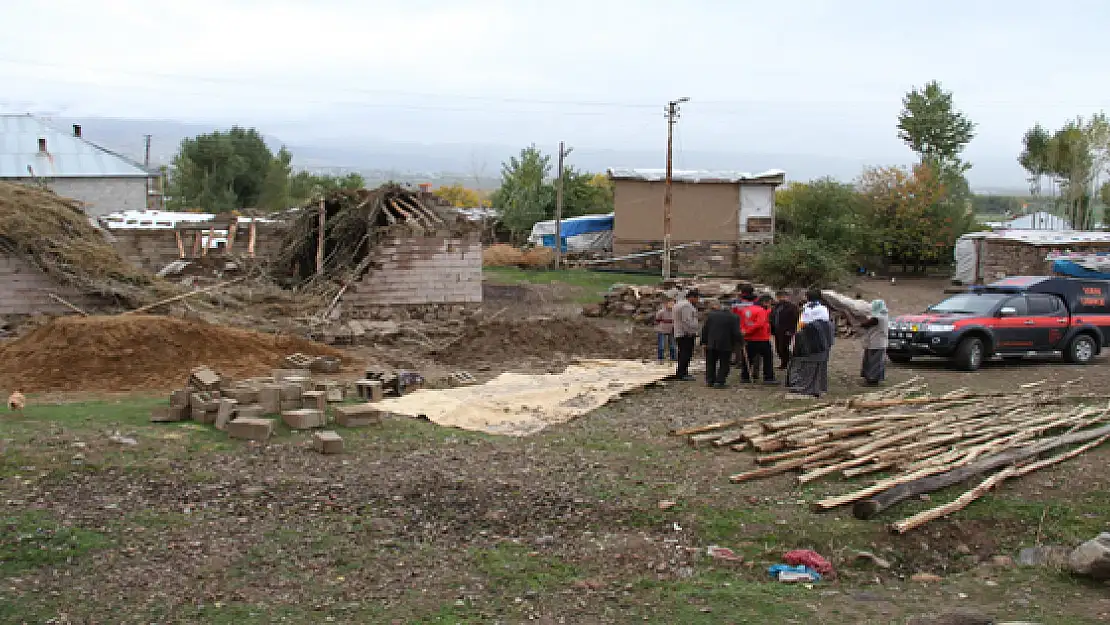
154	249
418	273
1001	258
708	258
24	290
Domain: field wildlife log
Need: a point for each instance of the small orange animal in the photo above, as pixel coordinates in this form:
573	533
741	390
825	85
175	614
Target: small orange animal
16	401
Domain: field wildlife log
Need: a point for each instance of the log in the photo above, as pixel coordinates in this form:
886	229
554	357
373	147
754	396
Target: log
868	508
177	298
61	301
961	502
788	455
782	467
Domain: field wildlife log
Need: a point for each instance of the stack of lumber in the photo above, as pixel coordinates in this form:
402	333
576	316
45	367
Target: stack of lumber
922	442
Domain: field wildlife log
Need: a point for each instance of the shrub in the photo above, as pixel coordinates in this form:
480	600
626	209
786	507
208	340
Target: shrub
801	262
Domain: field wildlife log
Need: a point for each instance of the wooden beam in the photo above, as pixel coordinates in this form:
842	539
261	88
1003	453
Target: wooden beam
251	238
196	243
177	298
320	238
63	302
232	230
180	244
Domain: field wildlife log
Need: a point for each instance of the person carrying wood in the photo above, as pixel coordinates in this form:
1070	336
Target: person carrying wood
686	333
756	327
720	332
784	322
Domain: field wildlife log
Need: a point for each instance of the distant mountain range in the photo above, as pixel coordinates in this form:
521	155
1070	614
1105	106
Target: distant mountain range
478	165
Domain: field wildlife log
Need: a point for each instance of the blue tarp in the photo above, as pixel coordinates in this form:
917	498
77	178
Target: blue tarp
1075	270
588	223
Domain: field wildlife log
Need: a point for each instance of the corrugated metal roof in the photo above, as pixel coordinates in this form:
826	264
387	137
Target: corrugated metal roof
66	156
1043	237
156	219
776	176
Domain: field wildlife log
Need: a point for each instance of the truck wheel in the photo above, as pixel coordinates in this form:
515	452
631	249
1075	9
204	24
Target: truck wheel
1082	350
900	359
969	354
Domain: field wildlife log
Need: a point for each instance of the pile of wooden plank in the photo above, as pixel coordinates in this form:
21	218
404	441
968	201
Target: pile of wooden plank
923	442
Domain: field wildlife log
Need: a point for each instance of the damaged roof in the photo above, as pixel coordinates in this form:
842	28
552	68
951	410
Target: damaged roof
66	155
771	176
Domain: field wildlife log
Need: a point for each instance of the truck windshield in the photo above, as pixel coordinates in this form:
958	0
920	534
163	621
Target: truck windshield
969	304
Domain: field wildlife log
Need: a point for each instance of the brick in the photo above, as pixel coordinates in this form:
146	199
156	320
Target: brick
251	429
168	414
242	394
225	413
359	415
249	411
269	396
317	400
303	418
291	391
327	442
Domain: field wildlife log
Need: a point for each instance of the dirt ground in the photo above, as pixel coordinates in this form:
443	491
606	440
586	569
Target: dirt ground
420	524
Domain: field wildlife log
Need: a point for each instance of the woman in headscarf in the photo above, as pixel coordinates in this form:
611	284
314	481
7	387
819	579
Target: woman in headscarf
809	368
873	369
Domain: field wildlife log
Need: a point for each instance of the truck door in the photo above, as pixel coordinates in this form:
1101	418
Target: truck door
1013	330
1050	321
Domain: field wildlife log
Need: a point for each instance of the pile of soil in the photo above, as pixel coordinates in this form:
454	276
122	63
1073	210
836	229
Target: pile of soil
126	353
544	338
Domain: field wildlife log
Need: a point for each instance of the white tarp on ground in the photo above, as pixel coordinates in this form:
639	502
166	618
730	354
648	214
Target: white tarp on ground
514	404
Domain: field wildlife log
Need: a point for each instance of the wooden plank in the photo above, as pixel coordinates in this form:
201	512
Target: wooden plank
180	244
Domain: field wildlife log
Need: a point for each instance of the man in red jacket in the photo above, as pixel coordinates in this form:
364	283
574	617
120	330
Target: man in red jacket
755	323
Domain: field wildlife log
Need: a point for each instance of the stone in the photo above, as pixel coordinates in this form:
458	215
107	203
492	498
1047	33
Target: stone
1092	558
269	396
180	399
1048	556
291	390
251	429
317	400
303	418
327	442
250	411
225	413
358	415
168	414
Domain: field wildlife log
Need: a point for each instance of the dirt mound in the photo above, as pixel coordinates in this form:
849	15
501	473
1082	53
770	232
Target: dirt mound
542	338
138	352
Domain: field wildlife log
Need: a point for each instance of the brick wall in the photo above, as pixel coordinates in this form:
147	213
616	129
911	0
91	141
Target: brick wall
1001	258
154	249
23	290
416	271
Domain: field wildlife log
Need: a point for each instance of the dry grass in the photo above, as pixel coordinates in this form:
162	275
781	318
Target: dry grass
502	255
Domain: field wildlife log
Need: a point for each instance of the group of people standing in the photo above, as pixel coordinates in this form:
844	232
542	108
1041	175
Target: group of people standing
752	329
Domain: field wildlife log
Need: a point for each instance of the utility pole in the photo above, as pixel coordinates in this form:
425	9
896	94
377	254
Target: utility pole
672	117
149	182
563	152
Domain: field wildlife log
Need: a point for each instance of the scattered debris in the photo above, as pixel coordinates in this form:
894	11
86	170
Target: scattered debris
926	578
1092	558
723	553
810	559
793	574
874	559
667	505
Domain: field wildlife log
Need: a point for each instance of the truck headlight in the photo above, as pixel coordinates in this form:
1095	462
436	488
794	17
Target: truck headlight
940	327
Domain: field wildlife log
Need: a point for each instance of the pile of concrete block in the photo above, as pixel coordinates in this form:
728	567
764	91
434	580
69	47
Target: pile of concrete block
247	409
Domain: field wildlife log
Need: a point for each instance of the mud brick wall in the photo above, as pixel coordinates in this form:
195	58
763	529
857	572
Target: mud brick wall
411	271
154	249
24	290
1000	258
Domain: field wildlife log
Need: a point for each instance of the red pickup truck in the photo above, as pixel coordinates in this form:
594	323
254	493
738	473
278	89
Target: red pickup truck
1013	318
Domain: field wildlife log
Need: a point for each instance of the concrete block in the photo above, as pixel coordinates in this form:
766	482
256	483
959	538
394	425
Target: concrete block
317	400
225	413
327	442
305	382
303	418
291	404
243	394
180	399
201	415
168	414
204	378
358	415
251	429
281	375
332	389
291	390
269	396
370	390
249	411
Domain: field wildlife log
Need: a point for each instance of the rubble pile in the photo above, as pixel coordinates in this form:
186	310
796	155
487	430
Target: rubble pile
544	337
640	303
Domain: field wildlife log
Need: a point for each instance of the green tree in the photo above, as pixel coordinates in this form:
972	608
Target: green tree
305	186
220	171
275	188
1075	156
525	195
823	210
460	196
932	126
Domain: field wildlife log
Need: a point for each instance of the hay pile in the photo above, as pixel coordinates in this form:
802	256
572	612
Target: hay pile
126	353
502	255
54	234
353	219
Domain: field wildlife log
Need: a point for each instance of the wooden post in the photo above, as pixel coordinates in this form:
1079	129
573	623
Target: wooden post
320	240
208	243
232	230
251	236
180	244
196	244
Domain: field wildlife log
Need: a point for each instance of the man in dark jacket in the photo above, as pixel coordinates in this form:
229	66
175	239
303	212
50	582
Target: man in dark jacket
720	332
784	323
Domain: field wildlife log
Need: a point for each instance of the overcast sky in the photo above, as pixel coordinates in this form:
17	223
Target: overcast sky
789	77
